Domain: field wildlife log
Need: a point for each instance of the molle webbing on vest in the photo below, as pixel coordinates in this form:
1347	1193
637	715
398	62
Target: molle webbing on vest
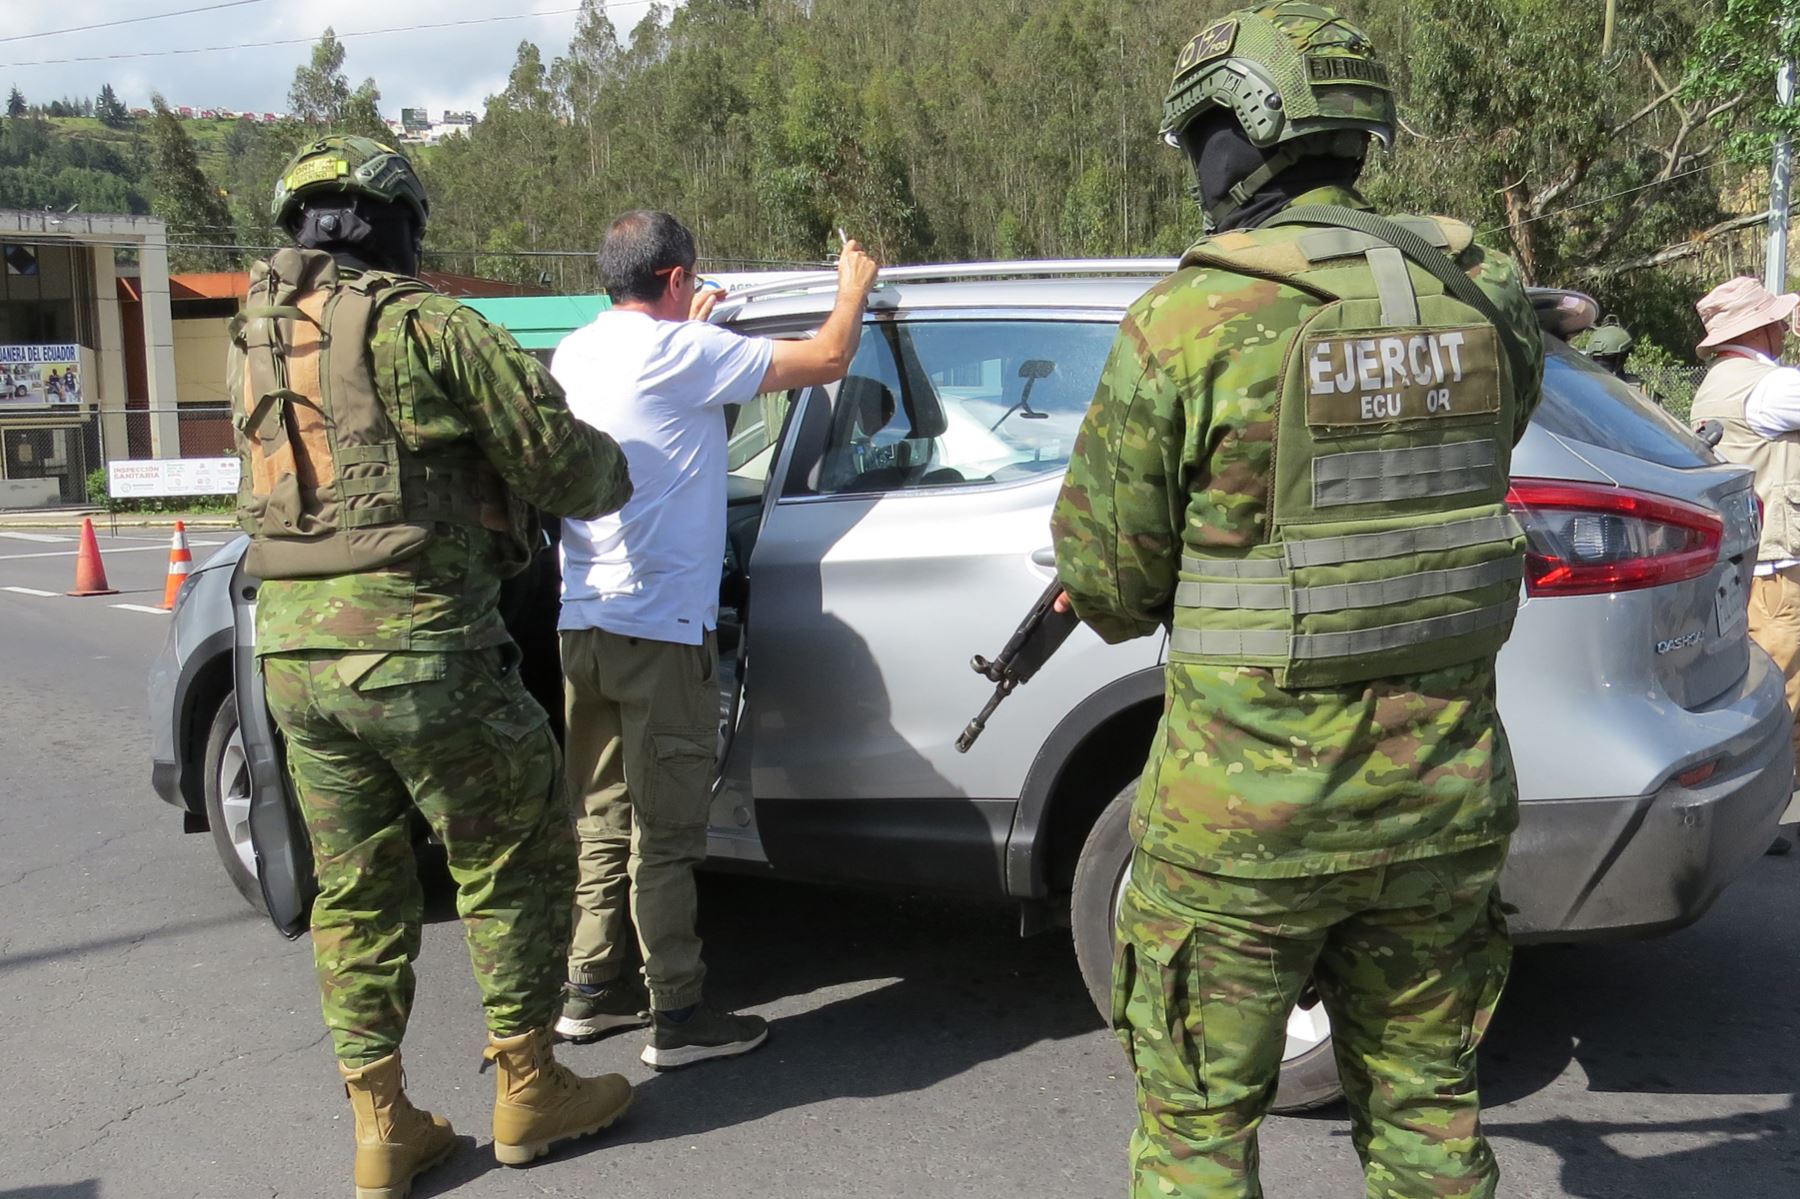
1390	550
1376	476
330	486
1314	647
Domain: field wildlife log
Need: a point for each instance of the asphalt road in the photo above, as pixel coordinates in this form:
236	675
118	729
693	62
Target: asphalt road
161	1041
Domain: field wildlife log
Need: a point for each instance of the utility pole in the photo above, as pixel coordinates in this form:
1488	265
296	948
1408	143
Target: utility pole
1781	178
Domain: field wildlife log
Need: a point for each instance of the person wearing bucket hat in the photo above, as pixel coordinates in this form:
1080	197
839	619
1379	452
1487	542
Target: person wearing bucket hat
1756	399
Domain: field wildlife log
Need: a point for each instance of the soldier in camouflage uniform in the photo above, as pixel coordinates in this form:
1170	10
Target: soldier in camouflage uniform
1295	465
394	445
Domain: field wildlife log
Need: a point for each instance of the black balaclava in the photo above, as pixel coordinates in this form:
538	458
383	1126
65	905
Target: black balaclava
362	234
1222	155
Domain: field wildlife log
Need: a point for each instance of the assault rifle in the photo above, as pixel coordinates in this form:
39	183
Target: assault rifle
1039	635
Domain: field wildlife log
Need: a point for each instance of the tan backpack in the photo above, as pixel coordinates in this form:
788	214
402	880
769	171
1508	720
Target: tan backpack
329	486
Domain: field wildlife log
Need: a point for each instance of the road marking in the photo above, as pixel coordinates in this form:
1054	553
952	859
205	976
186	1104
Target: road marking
35	537
30	591
117	549
141	608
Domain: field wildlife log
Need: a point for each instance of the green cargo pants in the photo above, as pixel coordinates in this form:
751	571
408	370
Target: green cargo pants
370	739
1409	961
643	731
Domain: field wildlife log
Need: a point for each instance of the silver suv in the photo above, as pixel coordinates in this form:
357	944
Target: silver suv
883	530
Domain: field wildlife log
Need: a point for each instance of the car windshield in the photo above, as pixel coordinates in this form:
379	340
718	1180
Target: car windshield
1585	403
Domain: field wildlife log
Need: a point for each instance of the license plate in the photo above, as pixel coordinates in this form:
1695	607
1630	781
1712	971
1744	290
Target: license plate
1731	604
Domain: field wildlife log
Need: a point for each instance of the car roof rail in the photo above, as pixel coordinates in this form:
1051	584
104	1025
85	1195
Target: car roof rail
957	272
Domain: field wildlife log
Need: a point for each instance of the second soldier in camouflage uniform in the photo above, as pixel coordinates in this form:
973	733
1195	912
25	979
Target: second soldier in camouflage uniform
1296	464
394	445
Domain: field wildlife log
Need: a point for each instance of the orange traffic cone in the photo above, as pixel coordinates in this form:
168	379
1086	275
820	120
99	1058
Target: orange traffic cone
180	563
90	575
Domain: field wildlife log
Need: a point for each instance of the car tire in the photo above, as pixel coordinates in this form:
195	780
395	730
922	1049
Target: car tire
228	788
1309	1076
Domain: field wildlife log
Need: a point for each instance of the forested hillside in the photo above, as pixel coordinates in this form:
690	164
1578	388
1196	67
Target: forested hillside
941	129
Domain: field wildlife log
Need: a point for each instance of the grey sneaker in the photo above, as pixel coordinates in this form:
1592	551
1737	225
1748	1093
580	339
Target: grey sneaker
706	1034
621	1003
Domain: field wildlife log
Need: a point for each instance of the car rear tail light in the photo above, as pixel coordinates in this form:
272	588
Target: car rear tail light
1590	539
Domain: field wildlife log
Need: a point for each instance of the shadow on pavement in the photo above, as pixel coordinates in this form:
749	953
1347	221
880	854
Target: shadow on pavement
1683	1021
87	1188
935	987
18	961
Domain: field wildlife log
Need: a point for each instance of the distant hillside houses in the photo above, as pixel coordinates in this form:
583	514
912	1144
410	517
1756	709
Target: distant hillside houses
186	112
415	125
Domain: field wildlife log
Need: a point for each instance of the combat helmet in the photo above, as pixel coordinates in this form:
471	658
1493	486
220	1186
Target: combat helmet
1609	339
1292	74
345	165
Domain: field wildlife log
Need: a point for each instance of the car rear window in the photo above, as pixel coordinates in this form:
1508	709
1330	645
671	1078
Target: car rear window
1587	404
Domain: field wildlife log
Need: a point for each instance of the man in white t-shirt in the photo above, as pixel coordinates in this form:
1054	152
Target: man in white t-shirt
1756	401
639	609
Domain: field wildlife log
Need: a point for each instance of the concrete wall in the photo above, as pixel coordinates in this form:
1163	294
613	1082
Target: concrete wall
200	347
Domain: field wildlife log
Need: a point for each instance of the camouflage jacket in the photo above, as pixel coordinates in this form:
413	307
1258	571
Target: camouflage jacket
450	381
1246	778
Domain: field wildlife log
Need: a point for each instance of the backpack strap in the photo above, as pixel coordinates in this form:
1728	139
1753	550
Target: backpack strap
1425	255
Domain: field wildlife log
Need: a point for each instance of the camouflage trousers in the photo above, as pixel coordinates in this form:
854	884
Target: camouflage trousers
1409	961
372	738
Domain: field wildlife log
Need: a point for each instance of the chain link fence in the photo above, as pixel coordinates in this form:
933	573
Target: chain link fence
45	461
58	460
1672	385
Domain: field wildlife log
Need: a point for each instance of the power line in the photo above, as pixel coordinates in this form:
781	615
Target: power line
158	16
1629	191
299	41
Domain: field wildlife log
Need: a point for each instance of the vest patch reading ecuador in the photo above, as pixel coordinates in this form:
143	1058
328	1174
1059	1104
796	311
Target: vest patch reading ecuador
1401	377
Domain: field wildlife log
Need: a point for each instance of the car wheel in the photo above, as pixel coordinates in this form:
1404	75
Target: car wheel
1309	1076
228	789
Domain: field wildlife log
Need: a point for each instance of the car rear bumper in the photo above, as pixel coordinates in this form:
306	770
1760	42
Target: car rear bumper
1589	869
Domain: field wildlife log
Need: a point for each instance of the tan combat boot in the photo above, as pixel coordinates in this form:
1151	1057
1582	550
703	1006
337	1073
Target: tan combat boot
539	1102
395	1141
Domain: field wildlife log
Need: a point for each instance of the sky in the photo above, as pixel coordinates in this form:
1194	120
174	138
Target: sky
445	68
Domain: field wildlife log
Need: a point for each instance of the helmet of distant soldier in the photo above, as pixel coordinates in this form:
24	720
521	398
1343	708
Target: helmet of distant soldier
1609	339
342	165
1286	71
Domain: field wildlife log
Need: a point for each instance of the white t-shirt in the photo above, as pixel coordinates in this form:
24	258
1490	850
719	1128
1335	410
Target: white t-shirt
652	569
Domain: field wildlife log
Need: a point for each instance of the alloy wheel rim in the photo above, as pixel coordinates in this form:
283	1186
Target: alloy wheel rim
234	799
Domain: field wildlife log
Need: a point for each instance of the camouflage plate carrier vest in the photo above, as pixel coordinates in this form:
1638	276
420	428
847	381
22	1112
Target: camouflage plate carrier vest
1389	548
329	486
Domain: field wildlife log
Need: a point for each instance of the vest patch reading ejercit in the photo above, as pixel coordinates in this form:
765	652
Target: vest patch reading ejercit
1398	377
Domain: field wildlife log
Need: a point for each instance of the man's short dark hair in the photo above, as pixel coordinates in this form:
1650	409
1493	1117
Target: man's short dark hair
640	249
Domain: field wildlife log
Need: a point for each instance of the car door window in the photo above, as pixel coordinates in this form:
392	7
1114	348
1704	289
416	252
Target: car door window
946	403
754	433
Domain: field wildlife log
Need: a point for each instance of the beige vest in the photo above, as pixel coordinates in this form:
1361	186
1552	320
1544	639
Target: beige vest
1721	397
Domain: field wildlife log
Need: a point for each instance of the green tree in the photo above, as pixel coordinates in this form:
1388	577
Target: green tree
15	103
107	107
321	94
182	195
